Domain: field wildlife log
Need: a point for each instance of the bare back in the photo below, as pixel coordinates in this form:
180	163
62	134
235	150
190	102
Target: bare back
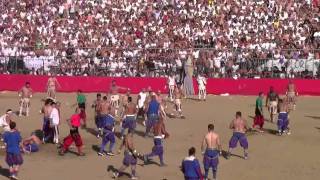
239	125
212	140
128	143
130	109
47	111
283	107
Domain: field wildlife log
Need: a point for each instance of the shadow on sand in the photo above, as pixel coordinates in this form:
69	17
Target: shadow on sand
4	172
113	170
313	117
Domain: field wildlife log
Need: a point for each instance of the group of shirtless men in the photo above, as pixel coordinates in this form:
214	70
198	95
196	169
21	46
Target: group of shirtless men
153	108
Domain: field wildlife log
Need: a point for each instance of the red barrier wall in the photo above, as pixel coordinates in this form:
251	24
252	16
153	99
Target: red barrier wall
214	86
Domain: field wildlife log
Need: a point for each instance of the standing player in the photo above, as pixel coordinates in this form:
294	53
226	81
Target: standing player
74	136
162	102
130	156
211	149
141	101
171	84
51	86
239	126
12	140
55	121
160	133
104	111
81	100
283	118
114	95
152	111
124	101
178	94
291	95
191	166
272	103
96	105
129	118
202	82
25	94
259	119
108	123
46	128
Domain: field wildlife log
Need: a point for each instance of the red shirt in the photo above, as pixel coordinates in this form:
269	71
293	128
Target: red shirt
75	120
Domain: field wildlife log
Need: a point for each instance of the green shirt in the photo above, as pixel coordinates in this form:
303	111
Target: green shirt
259	103
81	99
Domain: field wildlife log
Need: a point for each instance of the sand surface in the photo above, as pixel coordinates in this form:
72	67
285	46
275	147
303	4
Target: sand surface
293	157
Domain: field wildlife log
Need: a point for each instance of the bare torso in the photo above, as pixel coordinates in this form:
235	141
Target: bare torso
47	111
26	92
211	140
239	125
283	107
177	93
130	109
97	106
52	82
104	108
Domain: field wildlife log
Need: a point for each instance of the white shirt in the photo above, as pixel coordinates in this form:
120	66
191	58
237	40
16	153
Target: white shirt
201	82
142	99
3	123
171	81
54	116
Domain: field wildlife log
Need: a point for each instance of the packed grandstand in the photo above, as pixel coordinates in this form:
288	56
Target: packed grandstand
224	38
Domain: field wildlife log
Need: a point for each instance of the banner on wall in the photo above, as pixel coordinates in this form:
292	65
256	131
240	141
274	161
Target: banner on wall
39	62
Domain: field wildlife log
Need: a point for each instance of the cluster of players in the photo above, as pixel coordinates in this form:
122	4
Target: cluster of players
151	108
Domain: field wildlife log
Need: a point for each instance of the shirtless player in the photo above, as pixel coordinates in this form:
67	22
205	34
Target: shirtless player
129	117
104	111
211	149
46	128
291	95
96	105
25	94
283	118
160	133
130	156
178	94
239	126
51	86
114	95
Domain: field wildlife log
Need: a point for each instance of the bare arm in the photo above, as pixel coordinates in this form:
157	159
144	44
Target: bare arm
203	145
121	145
219	144
231	126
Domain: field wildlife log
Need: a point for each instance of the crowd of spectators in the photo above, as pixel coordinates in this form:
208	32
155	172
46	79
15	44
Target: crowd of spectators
155	37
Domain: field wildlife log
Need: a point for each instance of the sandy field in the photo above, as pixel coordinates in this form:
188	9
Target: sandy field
293	157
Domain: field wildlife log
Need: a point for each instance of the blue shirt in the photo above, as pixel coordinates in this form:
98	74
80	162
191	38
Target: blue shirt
153	107
12	140
191	168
